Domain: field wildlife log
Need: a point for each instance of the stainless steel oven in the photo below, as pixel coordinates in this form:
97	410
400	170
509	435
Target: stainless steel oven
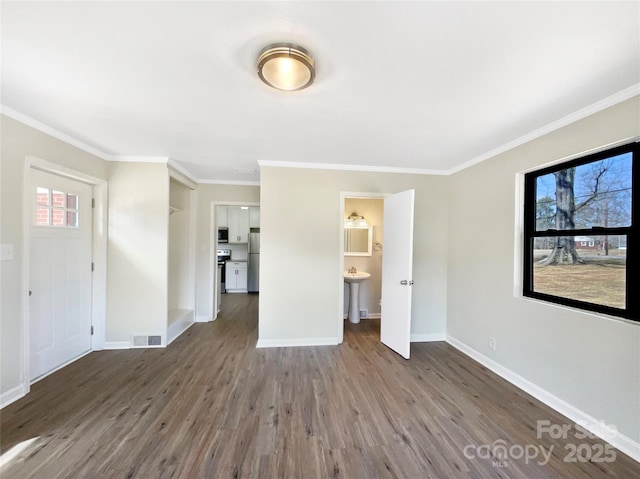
224	255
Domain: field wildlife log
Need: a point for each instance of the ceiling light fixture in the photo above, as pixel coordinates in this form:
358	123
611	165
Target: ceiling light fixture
286	67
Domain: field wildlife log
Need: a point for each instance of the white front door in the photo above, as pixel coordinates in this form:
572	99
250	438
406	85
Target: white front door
397	268
59	271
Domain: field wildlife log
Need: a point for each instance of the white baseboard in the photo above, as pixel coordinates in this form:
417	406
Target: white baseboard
286	343
12	395
620	441
58	368
176	329
371	316
204	319
117	345
179	321
111	345
428	338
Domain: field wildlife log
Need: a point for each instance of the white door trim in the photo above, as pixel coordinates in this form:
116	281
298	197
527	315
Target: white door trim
343	196
212	297
99	255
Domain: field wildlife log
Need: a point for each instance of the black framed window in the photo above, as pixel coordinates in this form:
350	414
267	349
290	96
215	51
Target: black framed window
581	232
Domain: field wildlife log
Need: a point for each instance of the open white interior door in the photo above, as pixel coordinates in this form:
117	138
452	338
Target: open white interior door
397	270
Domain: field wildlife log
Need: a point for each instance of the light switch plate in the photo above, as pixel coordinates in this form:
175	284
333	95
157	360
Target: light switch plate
6	252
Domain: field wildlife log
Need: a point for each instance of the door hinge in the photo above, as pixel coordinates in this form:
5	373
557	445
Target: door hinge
92	330
93	202
93	266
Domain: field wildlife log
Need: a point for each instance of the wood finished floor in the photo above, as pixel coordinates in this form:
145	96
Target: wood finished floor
212	406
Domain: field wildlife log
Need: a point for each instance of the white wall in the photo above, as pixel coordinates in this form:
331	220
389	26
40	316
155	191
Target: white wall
17	142
204	229
137	251
370	290
180	273
301	223
589	361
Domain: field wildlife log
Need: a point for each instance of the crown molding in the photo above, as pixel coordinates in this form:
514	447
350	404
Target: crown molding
173	164
228	182
603	104
348	167
607	102
600	105
140	159
35	124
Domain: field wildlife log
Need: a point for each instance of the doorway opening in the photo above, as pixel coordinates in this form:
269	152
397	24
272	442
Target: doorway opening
235	246
396	265
362	290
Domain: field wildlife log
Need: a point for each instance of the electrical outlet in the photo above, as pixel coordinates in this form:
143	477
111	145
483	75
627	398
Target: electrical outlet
492	343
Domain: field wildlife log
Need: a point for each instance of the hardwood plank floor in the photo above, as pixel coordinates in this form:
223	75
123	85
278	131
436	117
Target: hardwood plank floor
211	405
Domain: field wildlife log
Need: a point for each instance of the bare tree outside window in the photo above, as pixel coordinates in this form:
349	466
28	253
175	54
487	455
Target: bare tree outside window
595	195
578	230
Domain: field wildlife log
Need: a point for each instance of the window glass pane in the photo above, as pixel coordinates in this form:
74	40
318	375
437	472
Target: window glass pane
42	215
57	217
72	202
583	268
72	219
42	196
57	198
594	194
545	202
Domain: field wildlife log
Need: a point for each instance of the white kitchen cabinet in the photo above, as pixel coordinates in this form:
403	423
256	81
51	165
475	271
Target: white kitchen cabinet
223	217
254	217
236	277
238	223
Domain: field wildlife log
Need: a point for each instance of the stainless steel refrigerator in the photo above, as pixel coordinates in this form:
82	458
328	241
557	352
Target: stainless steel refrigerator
253	263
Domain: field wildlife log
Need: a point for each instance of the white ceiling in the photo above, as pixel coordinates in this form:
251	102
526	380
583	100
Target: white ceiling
432	86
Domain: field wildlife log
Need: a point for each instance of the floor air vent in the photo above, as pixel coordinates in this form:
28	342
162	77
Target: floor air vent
144	341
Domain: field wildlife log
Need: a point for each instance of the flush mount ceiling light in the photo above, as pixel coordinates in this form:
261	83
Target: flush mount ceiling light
286	67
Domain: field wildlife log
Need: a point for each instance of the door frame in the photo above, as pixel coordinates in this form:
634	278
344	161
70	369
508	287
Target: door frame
343	196
98	253
212	301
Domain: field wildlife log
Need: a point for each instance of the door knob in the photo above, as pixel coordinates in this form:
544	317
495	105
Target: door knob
404	282
30	293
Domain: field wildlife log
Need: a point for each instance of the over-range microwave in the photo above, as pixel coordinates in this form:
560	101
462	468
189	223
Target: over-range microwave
223	235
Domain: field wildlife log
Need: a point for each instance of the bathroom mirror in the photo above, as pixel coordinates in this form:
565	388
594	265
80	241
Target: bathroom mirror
357	241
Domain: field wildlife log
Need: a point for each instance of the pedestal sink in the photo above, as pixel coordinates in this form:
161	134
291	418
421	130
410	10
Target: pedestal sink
354	280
